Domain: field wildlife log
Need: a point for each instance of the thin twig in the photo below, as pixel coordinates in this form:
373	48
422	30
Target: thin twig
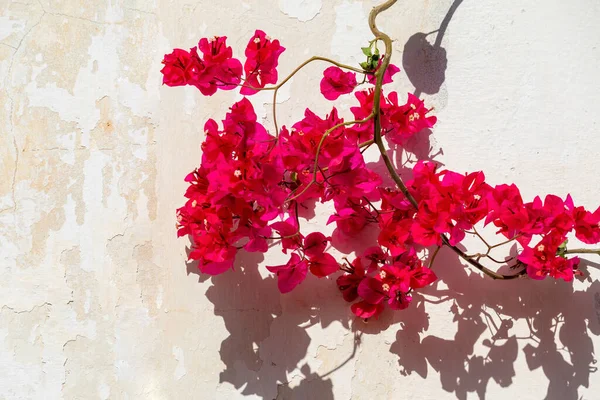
316	164
283	82
583	251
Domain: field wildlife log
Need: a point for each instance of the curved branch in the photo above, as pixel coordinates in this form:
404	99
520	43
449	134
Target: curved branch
379	74
298	68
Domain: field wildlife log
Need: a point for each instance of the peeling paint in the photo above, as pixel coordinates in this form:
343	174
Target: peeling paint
303	10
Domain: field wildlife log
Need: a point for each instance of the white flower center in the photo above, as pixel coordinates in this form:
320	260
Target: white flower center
194	203
237	173
541	247
382	274
257	40
477	197
386	287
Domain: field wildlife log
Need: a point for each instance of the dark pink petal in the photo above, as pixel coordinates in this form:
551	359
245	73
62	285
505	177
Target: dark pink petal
262	58
366	310
291	274
400	302
323	265
371	291
216	268
422	277
336	82
257	244
387	76
315	244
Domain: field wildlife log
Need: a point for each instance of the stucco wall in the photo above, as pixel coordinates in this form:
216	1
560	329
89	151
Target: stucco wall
96	299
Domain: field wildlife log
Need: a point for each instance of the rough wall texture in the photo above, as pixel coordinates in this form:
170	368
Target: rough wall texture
96	300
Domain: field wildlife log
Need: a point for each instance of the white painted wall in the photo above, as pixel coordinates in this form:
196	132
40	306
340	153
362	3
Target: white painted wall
96	300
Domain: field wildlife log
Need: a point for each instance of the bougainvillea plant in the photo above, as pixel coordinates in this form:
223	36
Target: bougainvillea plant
246	193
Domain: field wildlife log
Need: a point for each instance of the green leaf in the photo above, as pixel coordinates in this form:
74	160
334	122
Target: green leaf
366	51
562	249
365	65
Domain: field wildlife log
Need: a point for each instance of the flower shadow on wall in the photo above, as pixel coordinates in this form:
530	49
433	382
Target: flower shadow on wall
481	308
268	341
267	334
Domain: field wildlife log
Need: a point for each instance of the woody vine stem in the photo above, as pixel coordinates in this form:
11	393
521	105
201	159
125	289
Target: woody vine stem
379	140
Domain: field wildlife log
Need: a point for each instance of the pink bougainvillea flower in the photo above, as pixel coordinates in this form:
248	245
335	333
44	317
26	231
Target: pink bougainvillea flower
558	213
222	70
348	283
399	278
291	274
291	239
587	225
376	256
406	120
542	260
336	82
400	300
258	241
323	265
387	76
421	277
214	252
507	211
350	218
371	290
215	50
395	234
363	132
217	69
366	310
262	58
249	187
315	244
180	68
426	227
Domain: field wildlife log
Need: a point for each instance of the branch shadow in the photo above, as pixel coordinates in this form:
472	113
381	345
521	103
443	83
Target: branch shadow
425	63
559	319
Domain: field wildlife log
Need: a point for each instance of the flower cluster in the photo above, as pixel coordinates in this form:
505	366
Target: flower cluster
217	69
378	279
234	193
250	183
452	204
